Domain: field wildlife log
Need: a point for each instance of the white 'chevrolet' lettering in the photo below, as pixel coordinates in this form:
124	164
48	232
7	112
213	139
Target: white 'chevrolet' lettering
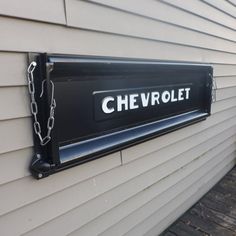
133	101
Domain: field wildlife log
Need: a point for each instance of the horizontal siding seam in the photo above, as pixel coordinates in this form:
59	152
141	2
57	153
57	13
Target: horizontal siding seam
233	87
33	20
20	149
226	76
218	64
15	85
230	2
14	118
223	98
223	87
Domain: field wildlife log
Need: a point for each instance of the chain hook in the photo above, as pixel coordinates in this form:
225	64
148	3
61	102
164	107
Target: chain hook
32	67
53	102
42	88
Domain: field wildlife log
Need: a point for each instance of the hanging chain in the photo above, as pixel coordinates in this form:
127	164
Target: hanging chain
214	88
34	106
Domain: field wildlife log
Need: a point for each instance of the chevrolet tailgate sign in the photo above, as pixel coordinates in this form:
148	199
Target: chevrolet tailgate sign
107	104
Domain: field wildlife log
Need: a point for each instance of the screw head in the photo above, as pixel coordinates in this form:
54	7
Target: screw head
40	175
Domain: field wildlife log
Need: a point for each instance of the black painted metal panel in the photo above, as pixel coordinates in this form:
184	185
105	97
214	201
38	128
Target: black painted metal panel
107	104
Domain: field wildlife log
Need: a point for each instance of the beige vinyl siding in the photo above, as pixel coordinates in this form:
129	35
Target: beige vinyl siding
14	164
233	2
14	102
43	10
224	70
61	39
226	7
142	189
161	11
13	69
227	81
114	21
206	11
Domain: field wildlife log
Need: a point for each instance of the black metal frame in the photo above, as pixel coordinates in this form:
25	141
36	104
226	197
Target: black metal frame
55	157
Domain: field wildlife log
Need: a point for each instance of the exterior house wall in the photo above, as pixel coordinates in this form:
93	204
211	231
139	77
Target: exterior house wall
140	190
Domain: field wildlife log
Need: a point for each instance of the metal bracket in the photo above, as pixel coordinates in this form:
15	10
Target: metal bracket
40	168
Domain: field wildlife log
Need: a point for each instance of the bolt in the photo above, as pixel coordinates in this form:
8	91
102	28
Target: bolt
40	175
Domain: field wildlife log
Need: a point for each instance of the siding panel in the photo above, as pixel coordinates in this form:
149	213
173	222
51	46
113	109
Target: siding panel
15	134
223	104
13	69
224	70
14	102
14	165
43	10
224	82
225	93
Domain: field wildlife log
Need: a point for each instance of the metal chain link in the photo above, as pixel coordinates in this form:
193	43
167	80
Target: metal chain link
34	106
214	88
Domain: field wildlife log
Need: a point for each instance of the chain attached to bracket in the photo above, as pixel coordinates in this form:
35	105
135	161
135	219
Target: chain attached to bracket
34	106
